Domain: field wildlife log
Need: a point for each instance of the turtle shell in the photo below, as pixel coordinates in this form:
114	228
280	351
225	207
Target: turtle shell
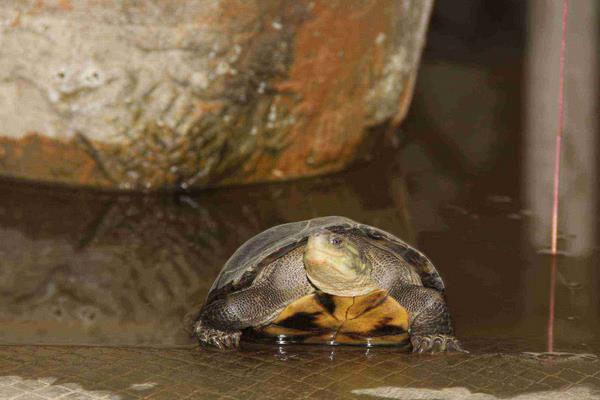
249	259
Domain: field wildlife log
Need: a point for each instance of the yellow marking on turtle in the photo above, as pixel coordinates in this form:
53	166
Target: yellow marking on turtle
375	318
371	319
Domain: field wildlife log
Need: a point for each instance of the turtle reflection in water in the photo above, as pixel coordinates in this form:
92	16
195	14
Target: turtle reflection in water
328	280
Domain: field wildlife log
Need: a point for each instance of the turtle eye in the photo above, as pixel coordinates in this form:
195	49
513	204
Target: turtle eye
336	241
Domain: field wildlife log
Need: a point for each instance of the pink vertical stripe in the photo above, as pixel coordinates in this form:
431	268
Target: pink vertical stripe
559	132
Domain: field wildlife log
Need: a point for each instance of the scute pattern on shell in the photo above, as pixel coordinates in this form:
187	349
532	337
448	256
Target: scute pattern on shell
245	264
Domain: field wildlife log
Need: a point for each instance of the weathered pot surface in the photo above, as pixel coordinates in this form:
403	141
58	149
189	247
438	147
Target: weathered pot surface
146	95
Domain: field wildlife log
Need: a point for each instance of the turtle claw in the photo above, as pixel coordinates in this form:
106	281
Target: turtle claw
223	340
230	340
436	344
455	346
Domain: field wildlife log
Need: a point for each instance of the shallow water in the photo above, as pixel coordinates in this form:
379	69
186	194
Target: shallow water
89	268
95	287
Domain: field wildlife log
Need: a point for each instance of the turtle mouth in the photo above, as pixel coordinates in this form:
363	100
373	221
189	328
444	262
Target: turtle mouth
325	261
342	287
326	254
329	264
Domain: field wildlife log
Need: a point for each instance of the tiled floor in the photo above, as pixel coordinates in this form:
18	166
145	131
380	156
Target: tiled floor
258	372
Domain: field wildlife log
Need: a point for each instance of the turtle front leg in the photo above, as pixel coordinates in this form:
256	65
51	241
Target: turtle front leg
218	326
215	337
431	328
435	344
221	321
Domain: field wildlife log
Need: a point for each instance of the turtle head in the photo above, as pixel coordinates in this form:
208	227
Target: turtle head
336	264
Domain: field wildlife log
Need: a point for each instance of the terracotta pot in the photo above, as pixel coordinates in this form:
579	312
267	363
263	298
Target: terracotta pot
196	93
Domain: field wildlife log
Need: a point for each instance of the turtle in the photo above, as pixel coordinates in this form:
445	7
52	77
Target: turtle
328	280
